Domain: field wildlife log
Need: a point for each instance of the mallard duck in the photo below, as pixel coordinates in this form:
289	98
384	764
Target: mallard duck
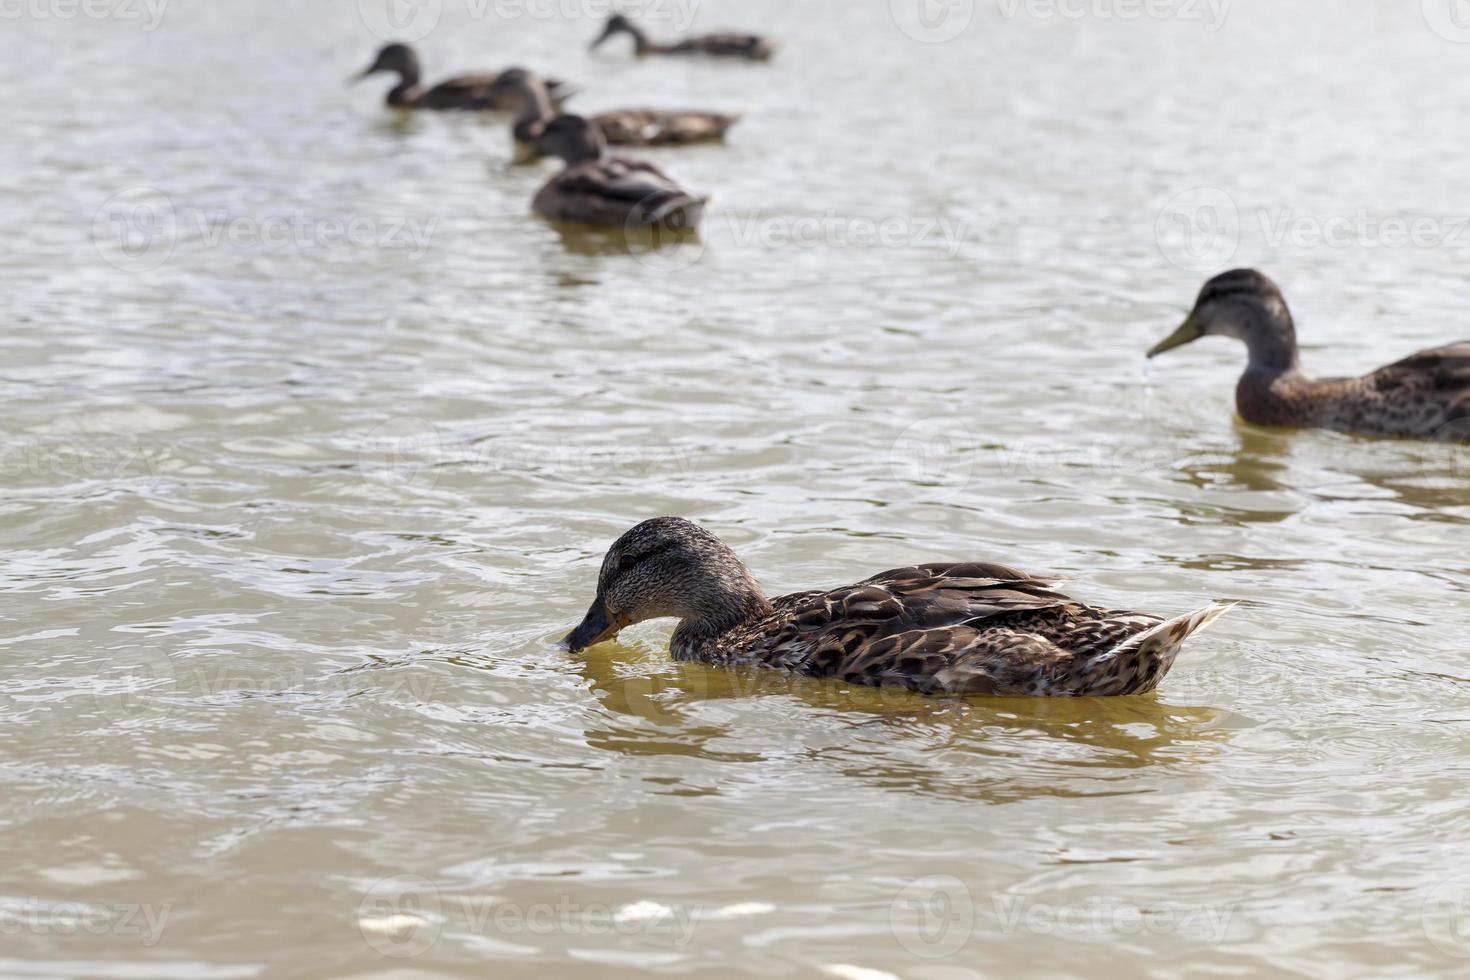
752	47
620	127
599	189
1421	396
462	92
969	628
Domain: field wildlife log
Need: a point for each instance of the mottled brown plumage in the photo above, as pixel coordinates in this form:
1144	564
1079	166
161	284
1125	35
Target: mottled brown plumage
471	92
970	628
751	47
1426	395
599	189
534	109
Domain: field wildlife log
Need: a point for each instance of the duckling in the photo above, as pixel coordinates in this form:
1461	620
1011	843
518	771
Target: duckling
752	47
970	628
1422	396
461	92
599	189
620	127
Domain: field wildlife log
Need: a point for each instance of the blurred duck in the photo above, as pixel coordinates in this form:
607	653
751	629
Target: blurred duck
461	92
1423	396
534	109
937	629
599	189
749	46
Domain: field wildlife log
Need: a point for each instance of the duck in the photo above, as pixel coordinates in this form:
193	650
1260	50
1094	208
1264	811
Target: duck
472	92
597	188
751	47
1425	395
966	628
620	127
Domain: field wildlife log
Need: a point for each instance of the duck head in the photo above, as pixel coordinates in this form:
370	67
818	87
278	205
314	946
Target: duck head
574	139
1246	305
669	568
397	58
527	93
620	24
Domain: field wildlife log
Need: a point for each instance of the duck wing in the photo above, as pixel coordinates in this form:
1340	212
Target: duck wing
971	628
460	92
661	127
1430	388
728	44
621	191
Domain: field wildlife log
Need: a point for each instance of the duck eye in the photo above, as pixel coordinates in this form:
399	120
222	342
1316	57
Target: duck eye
626	562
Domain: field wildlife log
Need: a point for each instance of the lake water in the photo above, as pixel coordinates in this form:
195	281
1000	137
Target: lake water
314	437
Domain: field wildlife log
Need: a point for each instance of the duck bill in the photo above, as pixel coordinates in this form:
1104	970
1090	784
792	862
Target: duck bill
1188	332
523	153
354	79
597	627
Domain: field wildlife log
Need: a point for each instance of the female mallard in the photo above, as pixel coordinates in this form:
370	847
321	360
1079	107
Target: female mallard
1421	396
752	47
599	189
462	92
937	629
620	127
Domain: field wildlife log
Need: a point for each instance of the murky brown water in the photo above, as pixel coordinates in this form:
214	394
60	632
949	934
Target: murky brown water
313	439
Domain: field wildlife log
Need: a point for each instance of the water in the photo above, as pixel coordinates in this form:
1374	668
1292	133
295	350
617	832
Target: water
314	438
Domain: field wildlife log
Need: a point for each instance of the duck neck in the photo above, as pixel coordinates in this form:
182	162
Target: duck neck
641	44
1272	346
534	114
734	607
407	88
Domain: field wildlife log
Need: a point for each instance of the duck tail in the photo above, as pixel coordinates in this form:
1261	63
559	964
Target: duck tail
1155	649
683	213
